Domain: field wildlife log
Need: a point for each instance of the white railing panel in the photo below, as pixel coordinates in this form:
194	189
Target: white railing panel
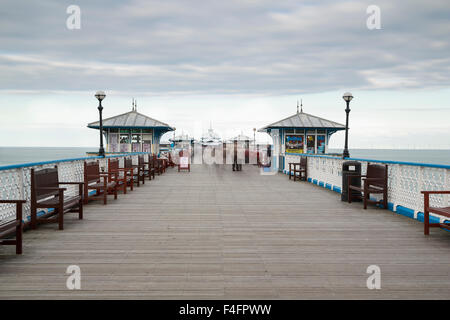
15	180
405	180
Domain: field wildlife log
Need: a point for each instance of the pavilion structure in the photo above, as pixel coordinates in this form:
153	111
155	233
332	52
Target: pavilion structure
301	133
132	132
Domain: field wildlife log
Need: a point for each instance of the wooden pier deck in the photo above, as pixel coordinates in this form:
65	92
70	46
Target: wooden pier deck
218	234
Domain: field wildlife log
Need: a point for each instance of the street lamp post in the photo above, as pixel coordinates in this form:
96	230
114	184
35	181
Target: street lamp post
254	136
100	95
347	97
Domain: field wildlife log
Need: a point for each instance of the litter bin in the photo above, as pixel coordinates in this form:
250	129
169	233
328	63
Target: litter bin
351	168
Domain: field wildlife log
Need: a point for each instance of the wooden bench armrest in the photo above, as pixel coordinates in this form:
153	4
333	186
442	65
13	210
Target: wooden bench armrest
79	183
93	177
51	188
372	179
107	173
435	192
13	201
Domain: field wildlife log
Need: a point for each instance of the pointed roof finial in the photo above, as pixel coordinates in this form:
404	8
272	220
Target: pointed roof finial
301	105
297	106
135	105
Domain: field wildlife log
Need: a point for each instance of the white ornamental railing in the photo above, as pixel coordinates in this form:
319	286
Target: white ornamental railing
15	180
405	181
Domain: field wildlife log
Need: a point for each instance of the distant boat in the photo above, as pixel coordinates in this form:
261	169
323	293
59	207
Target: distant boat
211	138
182	138
181	142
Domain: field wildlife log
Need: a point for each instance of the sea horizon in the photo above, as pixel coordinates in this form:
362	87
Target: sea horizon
21	155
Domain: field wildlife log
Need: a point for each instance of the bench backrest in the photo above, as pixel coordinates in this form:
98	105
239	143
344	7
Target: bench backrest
128	163
303	162
377	171
91	172
113	168
45	178
113	165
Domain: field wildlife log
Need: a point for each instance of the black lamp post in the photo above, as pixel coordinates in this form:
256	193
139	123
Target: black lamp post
347	97
100	95
254	136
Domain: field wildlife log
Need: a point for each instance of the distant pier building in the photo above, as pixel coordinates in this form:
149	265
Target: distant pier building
301	133
132	132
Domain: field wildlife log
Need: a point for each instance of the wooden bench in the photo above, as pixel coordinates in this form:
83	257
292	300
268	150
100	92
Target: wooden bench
374	182
134	171
140	173
129	168
445	211
121	176
300	168
93	181
154	163
158	165
46	193
10	227
149	169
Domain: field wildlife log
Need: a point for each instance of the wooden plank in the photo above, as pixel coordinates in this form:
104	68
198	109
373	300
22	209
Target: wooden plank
218	234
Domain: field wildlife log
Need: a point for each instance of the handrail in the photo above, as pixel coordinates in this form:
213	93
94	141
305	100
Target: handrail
17	183
32	164
430	165
406	180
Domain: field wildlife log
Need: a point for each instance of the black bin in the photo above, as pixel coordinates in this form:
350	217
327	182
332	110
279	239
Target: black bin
351	168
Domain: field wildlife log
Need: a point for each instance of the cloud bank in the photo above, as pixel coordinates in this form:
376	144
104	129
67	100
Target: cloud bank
236	46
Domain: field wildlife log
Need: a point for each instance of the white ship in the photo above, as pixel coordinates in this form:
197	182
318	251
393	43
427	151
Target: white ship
210	138
182	142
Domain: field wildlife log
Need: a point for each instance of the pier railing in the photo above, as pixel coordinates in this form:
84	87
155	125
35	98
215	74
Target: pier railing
15	180
405	181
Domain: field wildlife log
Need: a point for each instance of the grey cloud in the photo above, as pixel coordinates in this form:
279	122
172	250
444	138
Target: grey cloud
266	47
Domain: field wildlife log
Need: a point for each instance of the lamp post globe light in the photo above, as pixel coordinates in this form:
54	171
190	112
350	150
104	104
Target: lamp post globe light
347	98
100	95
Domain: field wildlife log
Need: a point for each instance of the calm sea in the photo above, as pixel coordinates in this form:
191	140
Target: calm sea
16	155
410	155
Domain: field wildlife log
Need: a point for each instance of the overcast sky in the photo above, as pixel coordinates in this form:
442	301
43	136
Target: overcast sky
239	64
